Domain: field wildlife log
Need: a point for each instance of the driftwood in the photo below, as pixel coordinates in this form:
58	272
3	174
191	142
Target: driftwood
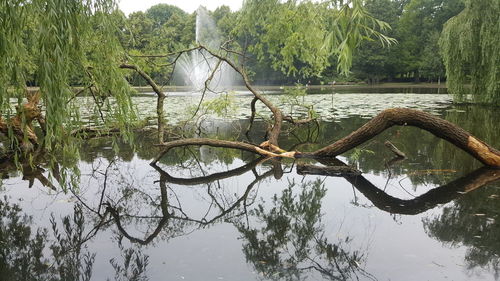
159	101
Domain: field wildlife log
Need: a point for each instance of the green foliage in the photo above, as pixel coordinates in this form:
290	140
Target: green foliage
298	37
161	13
355	153
23	255
416	24
353	25
76	43
471	51
464	224
13	52
221	105
431	63
162	29
420	21
373	62
294	97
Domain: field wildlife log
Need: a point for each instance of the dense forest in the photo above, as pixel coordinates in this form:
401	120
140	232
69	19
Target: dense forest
415	24
266	40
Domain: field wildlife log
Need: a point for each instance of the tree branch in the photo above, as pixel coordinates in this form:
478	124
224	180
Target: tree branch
410	117
160	99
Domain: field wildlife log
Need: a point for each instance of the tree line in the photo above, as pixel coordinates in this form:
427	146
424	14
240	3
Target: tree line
291	50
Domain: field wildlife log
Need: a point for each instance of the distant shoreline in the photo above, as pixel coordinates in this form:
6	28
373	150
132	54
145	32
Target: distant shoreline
143	89
336	86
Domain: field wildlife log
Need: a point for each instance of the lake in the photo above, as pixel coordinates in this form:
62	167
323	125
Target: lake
208	213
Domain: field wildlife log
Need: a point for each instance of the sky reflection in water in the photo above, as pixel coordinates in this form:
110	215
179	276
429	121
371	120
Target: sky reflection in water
215	214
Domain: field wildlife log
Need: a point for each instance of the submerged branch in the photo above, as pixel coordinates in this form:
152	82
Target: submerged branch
394	149
332	171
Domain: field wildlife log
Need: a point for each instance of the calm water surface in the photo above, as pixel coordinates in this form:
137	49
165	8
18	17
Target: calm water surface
219	214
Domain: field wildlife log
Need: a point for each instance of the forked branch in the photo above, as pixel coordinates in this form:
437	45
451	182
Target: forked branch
386	119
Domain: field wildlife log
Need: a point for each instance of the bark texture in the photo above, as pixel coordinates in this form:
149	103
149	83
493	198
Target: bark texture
410	117
220	143
332	171
22	123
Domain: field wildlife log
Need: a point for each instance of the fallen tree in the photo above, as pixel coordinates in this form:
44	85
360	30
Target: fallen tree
388	118
22	127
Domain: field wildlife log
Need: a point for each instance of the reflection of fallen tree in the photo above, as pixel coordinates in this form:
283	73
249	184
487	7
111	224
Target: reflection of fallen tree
172	214
384	120
30	168
295	219
296	222
422	203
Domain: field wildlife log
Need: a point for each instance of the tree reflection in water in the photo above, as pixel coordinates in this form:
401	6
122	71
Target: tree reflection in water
282	238
291	239
472	222
22	254
290	242
463	223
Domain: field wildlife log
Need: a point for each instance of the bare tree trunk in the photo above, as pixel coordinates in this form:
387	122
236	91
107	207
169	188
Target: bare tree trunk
160	99
219	143
252	117
272	141
410	117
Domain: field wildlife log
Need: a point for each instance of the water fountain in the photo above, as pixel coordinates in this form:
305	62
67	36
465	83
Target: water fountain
195	67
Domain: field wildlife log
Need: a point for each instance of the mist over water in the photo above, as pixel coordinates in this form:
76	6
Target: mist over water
195	67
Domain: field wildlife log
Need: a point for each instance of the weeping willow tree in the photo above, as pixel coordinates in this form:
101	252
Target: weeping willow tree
299	38
60	44
470	44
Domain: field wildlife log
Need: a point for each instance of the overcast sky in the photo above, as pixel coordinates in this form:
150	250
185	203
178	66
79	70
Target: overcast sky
129	6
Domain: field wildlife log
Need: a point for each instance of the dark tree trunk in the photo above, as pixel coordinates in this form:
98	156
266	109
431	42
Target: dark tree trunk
410	117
